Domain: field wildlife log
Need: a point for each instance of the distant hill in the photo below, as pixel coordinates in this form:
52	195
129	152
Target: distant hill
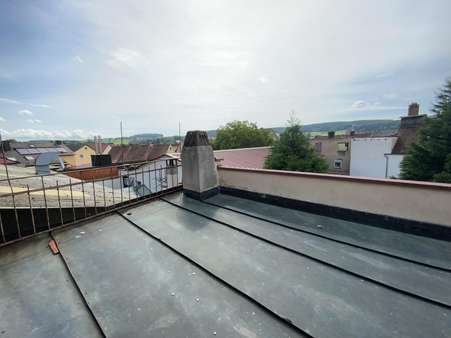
359	126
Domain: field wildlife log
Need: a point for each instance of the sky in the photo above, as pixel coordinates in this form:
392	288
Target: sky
73	69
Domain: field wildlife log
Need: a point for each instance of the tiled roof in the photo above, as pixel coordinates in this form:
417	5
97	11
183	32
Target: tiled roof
243	157
137	152
103	146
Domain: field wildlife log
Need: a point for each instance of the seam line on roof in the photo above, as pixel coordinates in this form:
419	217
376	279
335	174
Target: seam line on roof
332	239
286	321
320	261
77	287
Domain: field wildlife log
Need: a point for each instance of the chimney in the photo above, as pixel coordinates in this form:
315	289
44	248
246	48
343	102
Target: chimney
414	109
331	134
200	177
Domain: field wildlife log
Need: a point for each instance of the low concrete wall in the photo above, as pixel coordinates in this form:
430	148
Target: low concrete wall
93	173
412	200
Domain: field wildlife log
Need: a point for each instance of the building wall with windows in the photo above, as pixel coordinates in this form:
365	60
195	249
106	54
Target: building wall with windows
336	150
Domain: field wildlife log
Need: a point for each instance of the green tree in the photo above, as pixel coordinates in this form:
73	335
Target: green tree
294	152
242	134
429	159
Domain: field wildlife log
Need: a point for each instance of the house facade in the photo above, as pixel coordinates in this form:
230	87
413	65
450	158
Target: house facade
81	157
336	149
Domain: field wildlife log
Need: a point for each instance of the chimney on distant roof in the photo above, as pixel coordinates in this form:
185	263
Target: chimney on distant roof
200	177
414	109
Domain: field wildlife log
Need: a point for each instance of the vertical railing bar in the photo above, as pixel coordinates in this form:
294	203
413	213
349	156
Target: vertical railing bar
172	176
19	233
161	180
142	174
31	209
177	172
59	202
1	229
45	203
104	197
72	199
94	195
128	174
155	174
150	180
84	199
121	184
112	189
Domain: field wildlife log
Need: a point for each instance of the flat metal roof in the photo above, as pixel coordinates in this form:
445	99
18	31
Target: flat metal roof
225	267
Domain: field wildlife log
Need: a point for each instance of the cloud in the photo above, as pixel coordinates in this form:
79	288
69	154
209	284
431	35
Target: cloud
25	112
37	105
263	79
34	121
359	104
29	133
78	59
390	96
11	101
2	119
123	57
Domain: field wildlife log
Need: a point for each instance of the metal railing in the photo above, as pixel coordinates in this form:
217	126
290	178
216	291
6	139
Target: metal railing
34	204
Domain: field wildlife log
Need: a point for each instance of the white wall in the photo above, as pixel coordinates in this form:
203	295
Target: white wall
394	165
368	156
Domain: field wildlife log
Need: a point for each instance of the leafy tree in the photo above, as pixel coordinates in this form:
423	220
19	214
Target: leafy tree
242	134
429	159
294	152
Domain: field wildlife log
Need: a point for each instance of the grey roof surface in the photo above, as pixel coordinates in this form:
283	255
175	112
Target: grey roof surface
226	267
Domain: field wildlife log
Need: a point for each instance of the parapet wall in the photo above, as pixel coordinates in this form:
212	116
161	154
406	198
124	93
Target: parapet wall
410	200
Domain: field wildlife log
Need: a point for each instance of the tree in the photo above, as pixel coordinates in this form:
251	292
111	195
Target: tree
294	152
242	134
429	159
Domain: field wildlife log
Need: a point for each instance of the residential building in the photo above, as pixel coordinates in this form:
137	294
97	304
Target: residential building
26	153
407	135
81	158
368	155
243	157
336	150
381	156
233	252
141	152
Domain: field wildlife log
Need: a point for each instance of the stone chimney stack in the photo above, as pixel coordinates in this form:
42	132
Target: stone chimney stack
200	177
414	109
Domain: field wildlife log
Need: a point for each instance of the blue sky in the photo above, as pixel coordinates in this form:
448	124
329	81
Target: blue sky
71	69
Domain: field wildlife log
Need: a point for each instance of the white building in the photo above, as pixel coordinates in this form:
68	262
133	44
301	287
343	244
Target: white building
368	156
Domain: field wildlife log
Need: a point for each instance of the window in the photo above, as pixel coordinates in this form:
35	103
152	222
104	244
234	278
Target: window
338	164
81	156
318	147
342	146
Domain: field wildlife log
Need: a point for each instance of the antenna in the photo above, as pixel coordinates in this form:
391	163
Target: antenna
122	151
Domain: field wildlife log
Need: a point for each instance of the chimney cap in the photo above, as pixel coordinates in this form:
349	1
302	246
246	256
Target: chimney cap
196	138
414	109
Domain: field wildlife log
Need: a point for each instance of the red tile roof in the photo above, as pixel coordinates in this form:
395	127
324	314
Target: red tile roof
243	157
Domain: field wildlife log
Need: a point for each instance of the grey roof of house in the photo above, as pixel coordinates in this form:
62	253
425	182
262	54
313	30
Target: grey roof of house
225	267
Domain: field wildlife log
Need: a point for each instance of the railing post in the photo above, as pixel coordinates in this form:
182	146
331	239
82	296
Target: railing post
31	209
59	202
45	203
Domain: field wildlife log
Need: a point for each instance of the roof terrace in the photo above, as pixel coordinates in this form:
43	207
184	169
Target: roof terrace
273	254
